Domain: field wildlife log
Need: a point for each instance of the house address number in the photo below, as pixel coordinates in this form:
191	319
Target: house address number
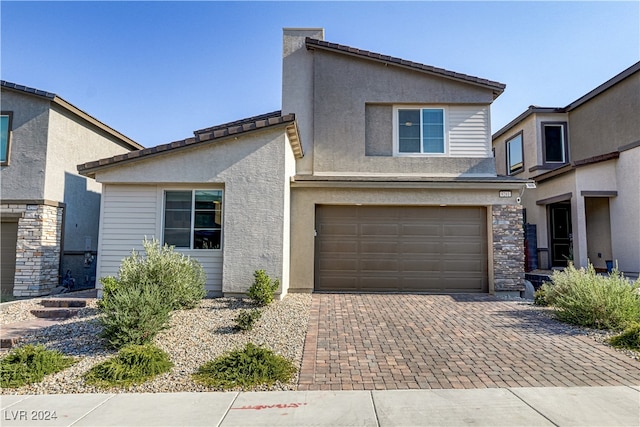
505	193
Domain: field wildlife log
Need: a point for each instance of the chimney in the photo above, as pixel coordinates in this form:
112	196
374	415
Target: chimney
297	87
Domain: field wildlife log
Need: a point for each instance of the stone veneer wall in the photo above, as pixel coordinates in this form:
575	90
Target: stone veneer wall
37	247
508	248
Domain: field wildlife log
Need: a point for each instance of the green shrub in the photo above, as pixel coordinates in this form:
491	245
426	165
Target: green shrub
263	289
540	296
629	338
29	364
134	314
246	319
180	278
585	298
250	366
134	364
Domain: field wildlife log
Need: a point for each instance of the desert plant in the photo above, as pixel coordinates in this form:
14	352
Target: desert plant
134	314
263	289
180	278
585	298
540	296
134	364
29	364
247	318
249	366
629	338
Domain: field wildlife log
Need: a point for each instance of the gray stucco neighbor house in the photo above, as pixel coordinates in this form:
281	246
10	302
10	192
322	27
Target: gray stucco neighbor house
49	213
376	175
585	159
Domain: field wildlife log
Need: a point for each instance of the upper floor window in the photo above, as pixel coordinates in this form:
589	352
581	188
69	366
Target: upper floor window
554	143
515	157
193	219
5	136
420	131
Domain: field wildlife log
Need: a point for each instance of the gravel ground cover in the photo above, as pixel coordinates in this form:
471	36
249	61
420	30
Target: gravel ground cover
193	338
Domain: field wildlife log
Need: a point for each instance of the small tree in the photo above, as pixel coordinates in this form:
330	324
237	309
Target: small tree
263	289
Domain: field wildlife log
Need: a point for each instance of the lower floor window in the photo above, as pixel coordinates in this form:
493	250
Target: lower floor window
193	219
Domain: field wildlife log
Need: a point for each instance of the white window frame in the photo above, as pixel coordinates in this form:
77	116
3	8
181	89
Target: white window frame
193	211
396	130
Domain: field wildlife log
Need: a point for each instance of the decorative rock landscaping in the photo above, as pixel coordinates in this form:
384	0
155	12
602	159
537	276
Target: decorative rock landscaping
193	338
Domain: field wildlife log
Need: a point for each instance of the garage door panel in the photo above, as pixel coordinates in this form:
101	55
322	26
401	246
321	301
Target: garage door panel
344	265
338	246
379	230
433	249
463	248
367	265
418	248
338	229
463	230
426	230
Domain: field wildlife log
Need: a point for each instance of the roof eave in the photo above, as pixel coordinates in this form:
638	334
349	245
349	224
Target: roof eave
496	87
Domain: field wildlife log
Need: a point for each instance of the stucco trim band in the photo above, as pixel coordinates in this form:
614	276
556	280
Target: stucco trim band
44	202
587	193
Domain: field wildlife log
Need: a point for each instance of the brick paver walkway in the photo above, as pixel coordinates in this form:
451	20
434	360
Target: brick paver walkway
395	341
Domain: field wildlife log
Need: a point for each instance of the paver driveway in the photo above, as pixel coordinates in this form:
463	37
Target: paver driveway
398	341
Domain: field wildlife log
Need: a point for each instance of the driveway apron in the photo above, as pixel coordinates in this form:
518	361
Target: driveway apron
408	341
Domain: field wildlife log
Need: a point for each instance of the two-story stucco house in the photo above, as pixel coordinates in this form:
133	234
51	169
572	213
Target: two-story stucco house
49	213
376	175
585	161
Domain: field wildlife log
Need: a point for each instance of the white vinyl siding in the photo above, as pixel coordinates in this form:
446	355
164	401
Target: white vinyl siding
129	214
469	133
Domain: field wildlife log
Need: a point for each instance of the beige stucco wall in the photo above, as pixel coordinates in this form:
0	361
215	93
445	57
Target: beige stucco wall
531	128
608	121
305	199
73	141
329	93
24	177
625	212
253	172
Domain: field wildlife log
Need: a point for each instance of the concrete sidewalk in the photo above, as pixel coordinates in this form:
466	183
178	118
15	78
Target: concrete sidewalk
526	406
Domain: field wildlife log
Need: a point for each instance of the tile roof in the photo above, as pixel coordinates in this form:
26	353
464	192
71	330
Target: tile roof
497	87
210	134
27	89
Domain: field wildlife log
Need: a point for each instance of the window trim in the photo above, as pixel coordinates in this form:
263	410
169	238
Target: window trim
396	130
508	152
192	226
9	133
565	144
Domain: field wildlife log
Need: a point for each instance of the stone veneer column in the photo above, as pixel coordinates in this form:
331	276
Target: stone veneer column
38	250
508	248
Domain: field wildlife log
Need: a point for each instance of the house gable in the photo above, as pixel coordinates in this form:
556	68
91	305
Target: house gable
351	123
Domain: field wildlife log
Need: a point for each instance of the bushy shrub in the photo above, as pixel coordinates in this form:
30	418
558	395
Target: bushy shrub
540	296
134	364
629	338
134	314
263	289
250	366
246	319
29	364
585	298
180	278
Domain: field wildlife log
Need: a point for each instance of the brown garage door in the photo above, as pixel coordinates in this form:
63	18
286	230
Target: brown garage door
401	248
8	238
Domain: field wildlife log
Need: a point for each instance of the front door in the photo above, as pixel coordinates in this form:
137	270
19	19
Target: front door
560	227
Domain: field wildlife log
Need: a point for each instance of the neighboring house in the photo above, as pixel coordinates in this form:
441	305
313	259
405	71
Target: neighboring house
377	175
585	160
49	213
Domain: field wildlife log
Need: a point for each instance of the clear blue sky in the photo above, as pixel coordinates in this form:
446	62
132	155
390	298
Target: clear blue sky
157	71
